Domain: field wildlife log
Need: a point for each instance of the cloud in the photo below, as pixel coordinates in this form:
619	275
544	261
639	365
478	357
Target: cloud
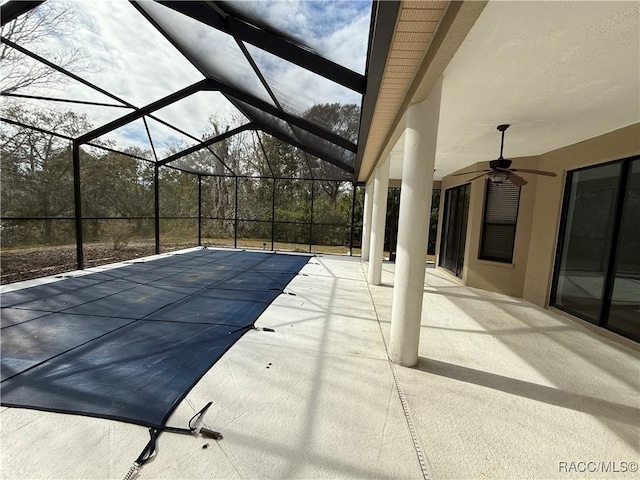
297	88
321	25
128	58
348	44
133	60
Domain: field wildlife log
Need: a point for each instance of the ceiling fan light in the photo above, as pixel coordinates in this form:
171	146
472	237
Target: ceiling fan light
498	176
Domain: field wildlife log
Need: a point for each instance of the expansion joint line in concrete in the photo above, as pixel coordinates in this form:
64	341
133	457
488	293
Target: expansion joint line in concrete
412	429
403	401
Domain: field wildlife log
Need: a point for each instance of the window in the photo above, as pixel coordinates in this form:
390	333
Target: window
499	222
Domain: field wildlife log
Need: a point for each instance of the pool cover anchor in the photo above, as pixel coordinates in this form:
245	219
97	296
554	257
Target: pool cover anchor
252	327
264	329
205	432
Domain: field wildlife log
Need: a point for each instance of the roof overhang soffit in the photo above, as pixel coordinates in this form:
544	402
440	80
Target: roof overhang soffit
383	22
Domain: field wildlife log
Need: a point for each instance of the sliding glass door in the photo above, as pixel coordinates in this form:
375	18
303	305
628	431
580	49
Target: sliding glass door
454	228
624	312
597	275
592	199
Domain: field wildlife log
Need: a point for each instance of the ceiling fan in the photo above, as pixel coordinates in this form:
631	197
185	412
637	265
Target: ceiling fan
499	171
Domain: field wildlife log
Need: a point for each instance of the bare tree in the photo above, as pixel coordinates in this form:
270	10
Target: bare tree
36	168
31	31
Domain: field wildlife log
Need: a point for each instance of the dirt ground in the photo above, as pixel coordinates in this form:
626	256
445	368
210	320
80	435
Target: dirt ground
28	263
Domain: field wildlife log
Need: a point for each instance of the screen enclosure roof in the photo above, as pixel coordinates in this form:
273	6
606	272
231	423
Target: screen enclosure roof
175	81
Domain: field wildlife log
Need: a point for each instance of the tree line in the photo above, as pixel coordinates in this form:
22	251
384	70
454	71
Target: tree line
37	182
37	169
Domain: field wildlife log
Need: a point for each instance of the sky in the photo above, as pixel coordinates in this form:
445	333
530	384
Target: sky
127	56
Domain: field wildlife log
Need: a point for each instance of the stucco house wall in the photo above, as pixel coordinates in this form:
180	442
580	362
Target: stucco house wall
530	273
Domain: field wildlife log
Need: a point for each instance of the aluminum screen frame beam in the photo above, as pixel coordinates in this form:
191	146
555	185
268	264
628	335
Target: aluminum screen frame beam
62	100
13	9
37	129
65	72
209	13
141	112
287	117
264	128
206	143
77	202
229	91
294	142
284	138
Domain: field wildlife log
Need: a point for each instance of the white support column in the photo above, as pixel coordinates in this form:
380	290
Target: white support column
413	227
366	220
378	219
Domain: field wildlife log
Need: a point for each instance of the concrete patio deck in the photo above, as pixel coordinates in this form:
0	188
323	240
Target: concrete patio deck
503	389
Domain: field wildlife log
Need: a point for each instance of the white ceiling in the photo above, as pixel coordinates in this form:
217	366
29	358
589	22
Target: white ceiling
558	72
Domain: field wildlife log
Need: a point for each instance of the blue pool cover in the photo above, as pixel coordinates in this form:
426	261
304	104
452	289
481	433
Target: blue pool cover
129	343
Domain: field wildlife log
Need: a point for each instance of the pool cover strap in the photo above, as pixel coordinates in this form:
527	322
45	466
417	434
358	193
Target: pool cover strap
154	433
148	450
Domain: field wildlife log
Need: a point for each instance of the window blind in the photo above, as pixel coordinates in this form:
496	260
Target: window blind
499	223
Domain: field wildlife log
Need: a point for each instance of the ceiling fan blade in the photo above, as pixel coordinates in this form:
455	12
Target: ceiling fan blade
466	173
517	180
537	172
474	178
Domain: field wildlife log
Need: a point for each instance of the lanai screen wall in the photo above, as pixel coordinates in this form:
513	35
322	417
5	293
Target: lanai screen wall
233	133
